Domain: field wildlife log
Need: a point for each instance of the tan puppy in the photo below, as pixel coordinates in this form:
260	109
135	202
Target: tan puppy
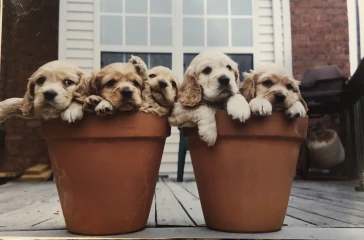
210	83
52	91
269	88
117	87
160	91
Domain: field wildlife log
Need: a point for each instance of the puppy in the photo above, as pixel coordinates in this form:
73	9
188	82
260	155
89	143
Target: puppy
160	91
269	88
210	83
117	87
52	91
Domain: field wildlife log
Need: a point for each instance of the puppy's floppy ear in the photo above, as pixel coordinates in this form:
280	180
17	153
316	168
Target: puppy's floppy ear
94	85
236	74
247	88
190	92
28	99
81	90
296	89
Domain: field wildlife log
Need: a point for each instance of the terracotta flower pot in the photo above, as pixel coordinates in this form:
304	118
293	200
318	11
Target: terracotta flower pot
106	170
244	180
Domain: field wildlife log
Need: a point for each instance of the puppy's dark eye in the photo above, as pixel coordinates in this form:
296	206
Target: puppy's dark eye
267	83
228	67
174	84
135	83
110	83
41	80
68	82
289	86
152	75
207	70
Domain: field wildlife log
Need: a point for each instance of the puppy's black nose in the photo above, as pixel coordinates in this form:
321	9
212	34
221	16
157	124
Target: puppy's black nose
162	84
224	80
126	93
279	97
50	95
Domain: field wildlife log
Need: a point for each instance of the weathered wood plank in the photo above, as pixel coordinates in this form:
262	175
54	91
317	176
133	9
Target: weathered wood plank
191	187
315	219
343	188
202	232
151	219
169	211
190	203
335	212
322	197
294	222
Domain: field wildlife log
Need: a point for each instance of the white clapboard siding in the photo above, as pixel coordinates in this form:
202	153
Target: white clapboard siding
79	42
77	33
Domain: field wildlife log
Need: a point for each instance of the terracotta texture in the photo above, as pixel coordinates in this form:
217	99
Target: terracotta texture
244	180
106	170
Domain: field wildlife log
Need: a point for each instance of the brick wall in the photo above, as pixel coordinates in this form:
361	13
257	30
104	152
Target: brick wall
319	35
29	39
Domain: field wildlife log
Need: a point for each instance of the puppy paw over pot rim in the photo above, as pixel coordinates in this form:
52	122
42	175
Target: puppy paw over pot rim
244	180
106	169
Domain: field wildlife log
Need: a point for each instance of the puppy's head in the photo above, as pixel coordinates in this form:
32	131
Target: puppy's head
52	87
212	75
272	83
120	84
163	85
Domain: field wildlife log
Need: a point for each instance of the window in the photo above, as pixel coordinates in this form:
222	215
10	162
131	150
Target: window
171	32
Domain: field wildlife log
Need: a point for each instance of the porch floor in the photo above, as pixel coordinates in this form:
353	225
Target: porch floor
317	210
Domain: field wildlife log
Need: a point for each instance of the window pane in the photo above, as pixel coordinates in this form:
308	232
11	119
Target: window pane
111	30
217	32
242	32
161	6
136	31
135	6
151	59
245	62
217	7
160	59
161	31
187	59
193	7
193	32
241	7
115	6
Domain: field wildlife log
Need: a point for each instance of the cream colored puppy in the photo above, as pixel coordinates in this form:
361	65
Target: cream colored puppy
210	83
52	91
270	88
160	91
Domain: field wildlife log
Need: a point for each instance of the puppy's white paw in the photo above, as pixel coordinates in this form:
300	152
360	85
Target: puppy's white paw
72	113
260	107
238	108
296	110
173	121
104	108
209	137
140	66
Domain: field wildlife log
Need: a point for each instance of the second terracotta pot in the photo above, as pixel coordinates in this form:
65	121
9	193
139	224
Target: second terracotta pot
244	180
106	170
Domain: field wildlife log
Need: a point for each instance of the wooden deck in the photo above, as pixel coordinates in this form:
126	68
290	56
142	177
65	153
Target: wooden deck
317	210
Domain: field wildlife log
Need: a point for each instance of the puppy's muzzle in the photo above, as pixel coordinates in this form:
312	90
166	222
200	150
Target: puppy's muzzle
224	80
162	84
50	95
279	97
126	93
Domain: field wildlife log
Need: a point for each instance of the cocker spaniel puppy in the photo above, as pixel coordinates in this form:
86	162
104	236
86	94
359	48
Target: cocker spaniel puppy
210	83
160	91
52	91
117	87
270	88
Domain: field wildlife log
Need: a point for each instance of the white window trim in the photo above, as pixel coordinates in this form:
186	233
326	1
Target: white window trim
356	38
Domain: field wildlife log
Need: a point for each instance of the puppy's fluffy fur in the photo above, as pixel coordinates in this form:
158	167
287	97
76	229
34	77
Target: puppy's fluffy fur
160	91
117	87
52	91
210	82
269	88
